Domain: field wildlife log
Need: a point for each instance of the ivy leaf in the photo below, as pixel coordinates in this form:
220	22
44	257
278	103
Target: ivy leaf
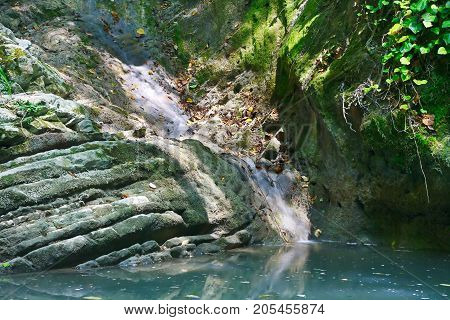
420	82
427	24
396	28
419	5
404	107
413	25
434	8
435	30
424	50
405	74
446	38
428	17
367	90
406	98
442	51
406	47
388	56
446	23
402	39
405	61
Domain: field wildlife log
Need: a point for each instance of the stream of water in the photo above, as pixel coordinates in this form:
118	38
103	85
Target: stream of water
304	271
152	90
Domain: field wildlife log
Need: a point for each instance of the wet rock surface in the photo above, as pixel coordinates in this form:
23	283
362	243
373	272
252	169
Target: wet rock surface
85	183
95	200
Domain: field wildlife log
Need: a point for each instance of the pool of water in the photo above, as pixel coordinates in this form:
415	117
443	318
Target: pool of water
304	271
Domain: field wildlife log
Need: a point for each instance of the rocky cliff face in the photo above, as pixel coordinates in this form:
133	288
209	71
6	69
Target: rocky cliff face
365	167
314	59
72	194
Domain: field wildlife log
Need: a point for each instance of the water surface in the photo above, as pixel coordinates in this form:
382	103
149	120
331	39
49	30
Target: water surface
304	271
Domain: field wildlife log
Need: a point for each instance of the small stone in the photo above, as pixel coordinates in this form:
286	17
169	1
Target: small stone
278	169
317	233
150	247
305	179
86	126
88	266
152	186
140	133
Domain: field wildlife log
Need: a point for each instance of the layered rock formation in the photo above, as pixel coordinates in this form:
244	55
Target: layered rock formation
74	195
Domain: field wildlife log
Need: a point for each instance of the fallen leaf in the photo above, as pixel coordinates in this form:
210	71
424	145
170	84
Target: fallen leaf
115	16
140	32
317	233
428	120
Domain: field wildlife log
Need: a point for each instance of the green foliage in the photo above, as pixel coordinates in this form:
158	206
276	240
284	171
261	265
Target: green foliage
182	52
417	37
30	110
260	55
5	85
5	60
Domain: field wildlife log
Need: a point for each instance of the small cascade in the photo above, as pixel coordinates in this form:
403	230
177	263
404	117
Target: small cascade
292	221
151	90
160	106
149	87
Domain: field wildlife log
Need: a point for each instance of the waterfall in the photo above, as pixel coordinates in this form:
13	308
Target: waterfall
151	90
292	221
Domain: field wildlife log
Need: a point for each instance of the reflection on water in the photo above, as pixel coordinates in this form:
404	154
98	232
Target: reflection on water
308	270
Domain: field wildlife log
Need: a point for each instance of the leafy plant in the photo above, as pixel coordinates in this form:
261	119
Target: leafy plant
30	108
418	35
5	85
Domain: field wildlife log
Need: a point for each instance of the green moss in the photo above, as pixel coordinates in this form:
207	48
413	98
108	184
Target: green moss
434	98
256	39
182	52
260	55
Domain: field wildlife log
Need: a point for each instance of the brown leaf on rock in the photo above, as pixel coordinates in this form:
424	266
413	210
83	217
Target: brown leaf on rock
106	26
116	17
428	120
